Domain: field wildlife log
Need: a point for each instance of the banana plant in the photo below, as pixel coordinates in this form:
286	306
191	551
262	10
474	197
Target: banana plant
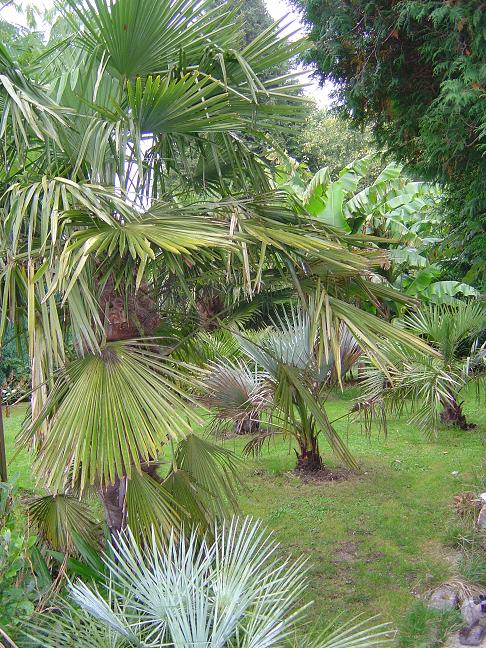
392	203
403	214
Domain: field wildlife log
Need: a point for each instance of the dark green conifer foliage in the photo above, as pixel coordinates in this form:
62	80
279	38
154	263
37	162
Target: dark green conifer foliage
416	71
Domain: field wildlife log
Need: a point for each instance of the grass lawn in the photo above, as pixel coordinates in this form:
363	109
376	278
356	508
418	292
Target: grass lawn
374	541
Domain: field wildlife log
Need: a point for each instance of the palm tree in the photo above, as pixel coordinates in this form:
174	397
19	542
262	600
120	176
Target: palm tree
294	373
105	137
232	591
432	385
130	148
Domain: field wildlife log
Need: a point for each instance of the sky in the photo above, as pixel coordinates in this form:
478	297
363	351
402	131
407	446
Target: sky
276	8
279	8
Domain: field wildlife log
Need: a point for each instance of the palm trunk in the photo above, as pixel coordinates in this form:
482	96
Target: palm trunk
452	414
308	457
127	317
113	500
209	306
247	426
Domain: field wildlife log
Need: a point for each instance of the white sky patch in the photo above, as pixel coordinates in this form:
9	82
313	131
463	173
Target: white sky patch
321	94
276	8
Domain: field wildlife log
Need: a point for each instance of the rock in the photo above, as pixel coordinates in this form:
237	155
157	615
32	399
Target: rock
471	611
444	598
473	635
482	518
482	498
455	642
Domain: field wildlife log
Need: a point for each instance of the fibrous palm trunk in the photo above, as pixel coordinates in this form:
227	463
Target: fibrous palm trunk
126	316
452	414
308	457
113	499
250	425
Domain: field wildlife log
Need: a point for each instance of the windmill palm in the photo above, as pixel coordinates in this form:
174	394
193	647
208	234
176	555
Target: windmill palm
432	385
294	373
129	165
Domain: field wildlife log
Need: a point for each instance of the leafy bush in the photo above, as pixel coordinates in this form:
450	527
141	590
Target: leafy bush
18	585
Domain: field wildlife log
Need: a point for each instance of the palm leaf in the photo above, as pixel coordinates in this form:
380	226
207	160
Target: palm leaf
233	390
110	412
150	508
148	37
356	633
231	589
446	327
191	104
312	405
213	469
61	519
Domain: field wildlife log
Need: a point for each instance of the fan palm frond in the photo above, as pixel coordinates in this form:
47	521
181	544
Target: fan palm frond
291	341
146	37
214	471
150	508
356	633
192	104
233	391
232	590
417	382
59	518
110	412
26	107
446	327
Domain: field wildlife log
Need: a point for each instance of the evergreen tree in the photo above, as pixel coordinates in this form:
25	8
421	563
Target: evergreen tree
415	71
255	18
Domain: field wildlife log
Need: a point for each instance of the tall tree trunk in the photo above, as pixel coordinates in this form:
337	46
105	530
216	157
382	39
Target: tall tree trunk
452	414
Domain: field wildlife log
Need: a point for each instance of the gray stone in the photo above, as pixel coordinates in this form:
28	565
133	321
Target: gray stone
482	497
482	518
473	635
471	611
455	642
444	598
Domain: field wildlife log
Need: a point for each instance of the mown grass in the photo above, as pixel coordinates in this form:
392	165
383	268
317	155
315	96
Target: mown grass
376	541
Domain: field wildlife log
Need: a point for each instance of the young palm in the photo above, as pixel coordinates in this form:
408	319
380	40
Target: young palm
294	374
432	385
232	591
